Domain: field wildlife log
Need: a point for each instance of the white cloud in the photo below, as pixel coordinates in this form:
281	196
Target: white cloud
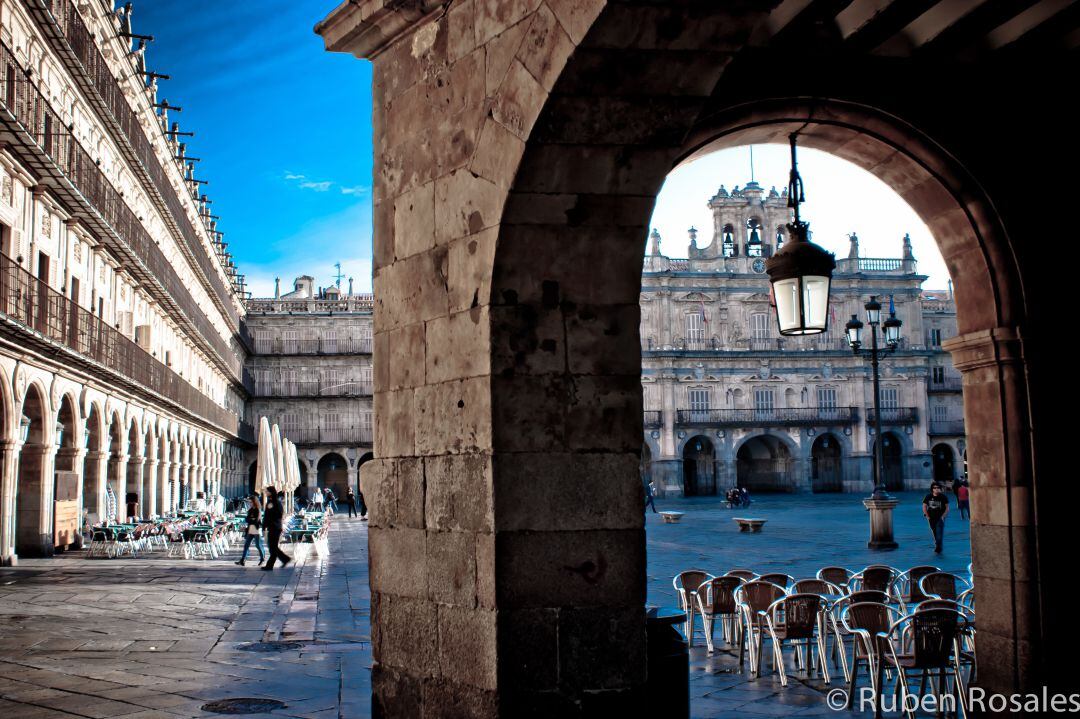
317	186
355	190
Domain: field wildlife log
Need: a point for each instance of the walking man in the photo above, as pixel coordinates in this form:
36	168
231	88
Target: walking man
935	507
650	496
252	530
962	500
272	518
350	502
330	499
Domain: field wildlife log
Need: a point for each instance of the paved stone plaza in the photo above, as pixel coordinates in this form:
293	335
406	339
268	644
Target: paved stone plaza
157	637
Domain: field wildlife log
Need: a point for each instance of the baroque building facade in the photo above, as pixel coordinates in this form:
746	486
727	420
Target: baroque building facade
729	403
121	339
312	375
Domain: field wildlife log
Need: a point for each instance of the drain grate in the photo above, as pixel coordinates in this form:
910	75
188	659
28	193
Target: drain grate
242	705
286	646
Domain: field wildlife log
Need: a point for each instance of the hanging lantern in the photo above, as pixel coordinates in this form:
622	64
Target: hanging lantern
801	272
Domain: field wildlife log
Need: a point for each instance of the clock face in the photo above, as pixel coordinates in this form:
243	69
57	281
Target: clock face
759	265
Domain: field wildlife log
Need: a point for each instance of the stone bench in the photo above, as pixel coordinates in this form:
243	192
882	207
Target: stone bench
671	517
749	524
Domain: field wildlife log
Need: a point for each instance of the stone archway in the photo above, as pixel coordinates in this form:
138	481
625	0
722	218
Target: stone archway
826	464
699	467
892	461
333	472
67	480
518	156
944	459
33	489
94	463
765	464
116	483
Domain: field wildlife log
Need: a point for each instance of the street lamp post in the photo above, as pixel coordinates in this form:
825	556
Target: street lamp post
880	504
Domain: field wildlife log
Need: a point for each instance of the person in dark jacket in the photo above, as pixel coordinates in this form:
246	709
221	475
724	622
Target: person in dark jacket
272	519
350	502
253	530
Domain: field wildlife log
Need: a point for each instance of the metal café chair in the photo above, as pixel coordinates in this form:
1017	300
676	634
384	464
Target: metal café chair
747	575
865	621
716	599
925	641
833	596
875	576
942	585
905	588
778	578
752	598
794	618
840	576
686	585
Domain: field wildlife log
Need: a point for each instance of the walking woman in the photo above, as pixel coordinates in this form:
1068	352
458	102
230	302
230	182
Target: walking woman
253	531
272	518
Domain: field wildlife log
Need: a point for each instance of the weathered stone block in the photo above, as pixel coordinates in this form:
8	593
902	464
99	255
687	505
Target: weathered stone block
407	635
615	633
604	339
518	101
495	16
458	493
407	352
394	492
499	52
603	413
467	645
469	262
576	16
485	570
549	491
498	153
397	561
528	649
545	48
394	693
527	339
464	205
412	289
528	412
570	569
453	417
451	568
600	169
524	208
394	428
446	699
465	337
461	37
414	221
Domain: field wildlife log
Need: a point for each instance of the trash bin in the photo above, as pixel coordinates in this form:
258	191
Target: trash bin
668	663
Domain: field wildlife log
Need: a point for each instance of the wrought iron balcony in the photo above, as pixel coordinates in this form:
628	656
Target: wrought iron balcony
57	155
346	304
947	427
317	346
42	312
895	415
949	384
309	435
653	418
781	416
67	32
313	388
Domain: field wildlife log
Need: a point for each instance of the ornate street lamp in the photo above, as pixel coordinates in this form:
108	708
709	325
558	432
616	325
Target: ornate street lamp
879	503
801	271
24	428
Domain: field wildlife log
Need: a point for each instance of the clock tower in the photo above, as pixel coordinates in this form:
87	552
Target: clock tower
749	226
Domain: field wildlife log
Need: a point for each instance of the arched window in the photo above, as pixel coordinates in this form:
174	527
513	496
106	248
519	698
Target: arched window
727	241
753	237
779	239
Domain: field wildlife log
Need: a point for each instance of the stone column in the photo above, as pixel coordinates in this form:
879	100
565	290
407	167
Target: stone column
174	482
97	468
151	483
34	501
165	478
118	467
9	466
1003	517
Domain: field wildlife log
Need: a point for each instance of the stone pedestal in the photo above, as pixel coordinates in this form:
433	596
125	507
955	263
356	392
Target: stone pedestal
881	525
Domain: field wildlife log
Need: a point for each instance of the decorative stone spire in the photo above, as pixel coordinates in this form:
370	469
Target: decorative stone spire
853	249
693	235
350	286
907	247
655	245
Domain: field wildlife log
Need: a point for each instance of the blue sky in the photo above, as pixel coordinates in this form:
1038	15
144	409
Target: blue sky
282	126
284	130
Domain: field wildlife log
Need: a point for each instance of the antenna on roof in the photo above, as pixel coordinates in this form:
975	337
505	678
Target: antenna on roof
338	277
751	163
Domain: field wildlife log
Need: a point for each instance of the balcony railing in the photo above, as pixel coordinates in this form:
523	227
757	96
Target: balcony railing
308	435
876	264
39	308
319	346
895	415
781	416
35	116
950	384
65	27
313	388
947	426
771	344
653	418
311	305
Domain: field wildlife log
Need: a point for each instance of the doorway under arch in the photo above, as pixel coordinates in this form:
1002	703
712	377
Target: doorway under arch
892	461
826	464
699	467
33	535
944	460
763	464
333	472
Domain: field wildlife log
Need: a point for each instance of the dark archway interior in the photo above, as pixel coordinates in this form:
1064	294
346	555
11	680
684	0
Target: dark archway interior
699	467
763	464
892	461
826	458
133	491
91	467
944	460
32	535
116	481
333	472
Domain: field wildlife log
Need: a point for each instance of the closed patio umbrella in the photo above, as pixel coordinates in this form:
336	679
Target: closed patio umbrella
264	469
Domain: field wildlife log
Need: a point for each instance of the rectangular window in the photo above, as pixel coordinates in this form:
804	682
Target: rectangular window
935	337
764	403
759	326
938	375
262	342
890	398
695	330
941	412
699	403
330	341
826	397
290	341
